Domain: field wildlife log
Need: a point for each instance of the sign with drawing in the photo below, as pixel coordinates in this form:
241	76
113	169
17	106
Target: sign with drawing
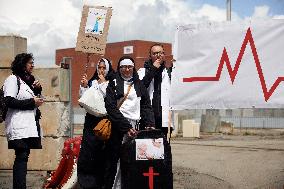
93	31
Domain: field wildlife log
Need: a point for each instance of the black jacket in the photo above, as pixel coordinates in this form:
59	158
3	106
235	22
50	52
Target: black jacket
114	93
151	72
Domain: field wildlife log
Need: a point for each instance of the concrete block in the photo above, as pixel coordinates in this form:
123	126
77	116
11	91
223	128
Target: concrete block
55	83
190	128
10	46
187	128
196	130
55	121
4	73
46	158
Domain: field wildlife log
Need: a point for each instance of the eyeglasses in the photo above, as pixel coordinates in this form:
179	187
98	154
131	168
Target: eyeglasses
127	67
158	53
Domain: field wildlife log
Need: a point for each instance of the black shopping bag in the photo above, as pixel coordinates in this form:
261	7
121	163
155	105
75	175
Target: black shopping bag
146	162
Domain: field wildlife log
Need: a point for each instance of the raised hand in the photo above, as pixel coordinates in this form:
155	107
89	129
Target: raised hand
36	84
84	81
102	79
157	63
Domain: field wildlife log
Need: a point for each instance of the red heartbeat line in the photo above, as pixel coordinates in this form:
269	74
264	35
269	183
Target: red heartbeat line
233	72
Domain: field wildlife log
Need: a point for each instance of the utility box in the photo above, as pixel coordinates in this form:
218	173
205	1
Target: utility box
190	128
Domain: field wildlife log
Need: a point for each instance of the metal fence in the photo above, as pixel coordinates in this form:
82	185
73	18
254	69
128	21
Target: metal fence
250	118
256	122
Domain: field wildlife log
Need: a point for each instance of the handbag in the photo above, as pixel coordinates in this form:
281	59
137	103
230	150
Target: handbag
93	102
103	129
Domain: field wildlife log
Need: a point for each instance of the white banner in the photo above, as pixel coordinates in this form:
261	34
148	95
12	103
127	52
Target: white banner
229	65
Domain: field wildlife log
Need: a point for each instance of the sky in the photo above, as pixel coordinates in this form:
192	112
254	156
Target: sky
54	24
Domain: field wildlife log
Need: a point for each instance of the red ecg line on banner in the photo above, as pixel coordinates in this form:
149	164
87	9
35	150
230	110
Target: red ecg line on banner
233	72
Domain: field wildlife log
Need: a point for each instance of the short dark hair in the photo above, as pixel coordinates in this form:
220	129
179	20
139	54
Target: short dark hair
19	63
156	44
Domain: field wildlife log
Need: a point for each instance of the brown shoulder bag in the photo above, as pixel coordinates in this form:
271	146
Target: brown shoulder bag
103	128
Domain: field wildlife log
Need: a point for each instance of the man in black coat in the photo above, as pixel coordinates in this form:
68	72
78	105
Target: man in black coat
155	74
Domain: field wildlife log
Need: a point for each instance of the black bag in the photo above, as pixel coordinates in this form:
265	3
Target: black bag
3	107
146	173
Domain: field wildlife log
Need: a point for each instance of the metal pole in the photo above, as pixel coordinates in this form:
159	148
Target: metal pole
229	9
87	63
64	62
70	103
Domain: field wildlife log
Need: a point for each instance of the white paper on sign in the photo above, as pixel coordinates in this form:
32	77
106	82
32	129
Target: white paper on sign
147	149
96	21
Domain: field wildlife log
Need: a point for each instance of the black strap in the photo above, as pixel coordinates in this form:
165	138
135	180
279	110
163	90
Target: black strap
18	83
5	107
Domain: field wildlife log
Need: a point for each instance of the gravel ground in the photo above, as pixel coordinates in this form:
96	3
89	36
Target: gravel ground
230	162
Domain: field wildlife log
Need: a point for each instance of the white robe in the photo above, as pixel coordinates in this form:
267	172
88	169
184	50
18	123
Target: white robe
19	123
